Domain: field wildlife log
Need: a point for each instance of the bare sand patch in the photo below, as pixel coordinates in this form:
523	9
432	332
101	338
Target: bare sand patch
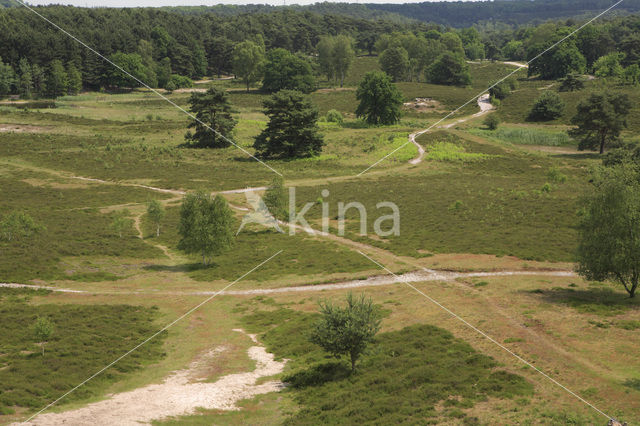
182	393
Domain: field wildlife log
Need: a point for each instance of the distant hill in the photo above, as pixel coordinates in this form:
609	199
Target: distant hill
352	10
8	3
454	14
465	14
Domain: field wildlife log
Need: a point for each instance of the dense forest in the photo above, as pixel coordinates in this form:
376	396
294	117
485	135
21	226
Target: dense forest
166	49
456	14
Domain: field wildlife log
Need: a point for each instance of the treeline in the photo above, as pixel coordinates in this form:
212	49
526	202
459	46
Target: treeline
155	44
577	54
514	12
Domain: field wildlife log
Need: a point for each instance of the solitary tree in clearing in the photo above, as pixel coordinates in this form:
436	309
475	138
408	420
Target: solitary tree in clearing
610	228
206	225
214	122
18	225
600	119
156	213
42	331
276	199
292	131
121	222
347	330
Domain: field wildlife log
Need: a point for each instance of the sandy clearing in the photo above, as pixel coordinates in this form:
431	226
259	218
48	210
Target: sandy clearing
483	103
182	393
22	128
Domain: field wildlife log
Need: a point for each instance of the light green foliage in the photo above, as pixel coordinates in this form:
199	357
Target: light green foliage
610	228
380	100
248	62
395	62
284	70
74	77
25	81
214	124
156	213
206	225
121	222
18	225
292	130
276	199
42	331
57	80
599	119
447	151
132	64
608	66
335	56
548	106
334	116
347	330
632	74
449	69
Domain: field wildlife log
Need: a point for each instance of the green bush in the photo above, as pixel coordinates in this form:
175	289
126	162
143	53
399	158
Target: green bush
548	106
334	116
492	121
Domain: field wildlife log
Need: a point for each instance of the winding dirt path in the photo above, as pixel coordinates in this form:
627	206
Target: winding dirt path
483	103
423	275
182	393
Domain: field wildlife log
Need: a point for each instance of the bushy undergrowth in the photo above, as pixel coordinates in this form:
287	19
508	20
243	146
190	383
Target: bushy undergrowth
401	380
85	338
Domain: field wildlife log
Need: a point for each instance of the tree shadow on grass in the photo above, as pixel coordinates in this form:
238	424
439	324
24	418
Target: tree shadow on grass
579	156
633	384
599	301
319	374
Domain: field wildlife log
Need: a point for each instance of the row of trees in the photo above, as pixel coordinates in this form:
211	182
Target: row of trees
31	80
292	130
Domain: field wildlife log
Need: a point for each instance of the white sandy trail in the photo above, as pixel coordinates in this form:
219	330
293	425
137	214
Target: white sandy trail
182	393
374	281
483	103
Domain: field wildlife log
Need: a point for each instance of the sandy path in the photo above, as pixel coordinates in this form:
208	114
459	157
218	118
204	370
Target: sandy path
483	103
373	281
182	393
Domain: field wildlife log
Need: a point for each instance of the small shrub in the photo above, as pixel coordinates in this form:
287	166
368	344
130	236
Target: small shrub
334	116
546	188
492	122
556	176
548	106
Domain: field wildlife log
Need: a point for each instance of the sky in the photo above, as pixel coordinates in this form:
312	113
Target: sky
149	3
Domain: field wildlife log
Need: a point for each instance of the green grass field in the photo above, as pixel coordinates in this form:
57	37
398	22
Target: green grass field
481	200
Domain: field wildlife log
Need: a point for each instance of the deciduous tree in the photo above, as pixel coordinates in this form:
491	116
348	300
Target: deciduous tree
609	245
347	330
380	100
206	225
156	213
248	62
